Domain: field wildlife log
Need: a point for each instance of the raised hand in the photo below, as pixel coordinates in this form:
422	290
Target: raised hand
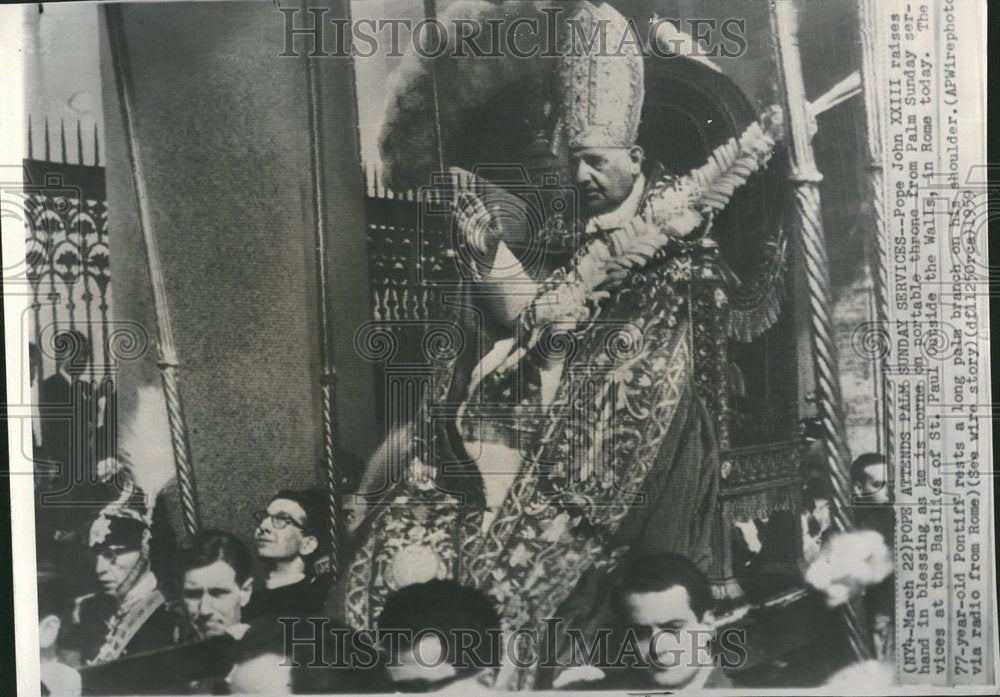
476	225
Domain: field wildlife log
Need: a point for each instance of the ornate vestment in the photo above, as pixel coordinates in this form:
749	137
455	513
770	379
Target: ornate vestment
540	458
107	628
623	454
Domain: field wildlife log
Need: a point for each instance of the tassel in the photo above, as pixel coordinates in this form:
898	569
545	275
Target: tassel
763	504
755	304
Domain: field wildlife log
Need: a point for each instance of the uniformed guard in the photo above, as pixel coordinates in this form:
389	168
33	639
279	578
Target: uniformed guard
130	614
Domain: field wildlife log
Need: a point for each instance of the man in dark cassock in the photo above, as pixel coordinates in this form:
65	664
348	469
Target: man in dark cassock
130	614
291	539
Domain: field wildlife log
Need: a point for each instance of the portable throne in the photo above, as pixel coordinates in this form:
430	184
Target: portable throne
744	351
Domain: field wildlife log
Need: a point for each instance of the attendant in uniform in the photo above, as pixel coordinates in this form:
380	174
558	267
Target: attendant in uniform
873	510
69	440
130	614
65	456
291	538
74	432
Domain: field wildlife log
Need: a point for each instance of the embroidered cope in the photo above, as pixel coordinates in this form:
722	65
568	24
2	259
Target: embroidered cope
620	453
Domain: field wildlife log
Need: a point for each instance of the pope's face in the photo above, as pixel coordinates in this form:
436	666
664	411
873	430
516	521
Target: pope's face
213	599
605	176
673	641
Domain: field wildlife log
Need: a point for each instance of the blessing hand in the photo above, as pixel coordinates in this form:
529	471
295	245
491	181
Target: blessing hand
491	215
476	224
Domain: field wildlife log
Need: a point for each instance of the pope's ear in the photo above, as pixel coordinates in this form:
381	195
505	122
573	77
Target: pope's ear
636	154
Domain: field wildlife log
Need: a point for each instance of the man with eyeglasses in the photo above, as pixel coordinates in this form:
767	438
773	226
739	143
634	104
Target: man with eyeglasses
291	539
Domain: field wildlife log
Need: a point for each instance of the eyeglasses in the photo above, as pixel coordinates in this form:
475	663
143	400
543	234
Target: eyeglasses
279	521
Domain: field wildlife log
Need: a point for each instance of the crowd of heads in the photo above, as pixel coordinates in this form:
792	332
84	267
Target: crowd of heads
440	635
429	636
209	581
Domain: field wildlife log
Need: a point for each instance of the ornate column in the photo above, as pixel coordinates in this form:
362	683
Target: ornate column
809	228
328	371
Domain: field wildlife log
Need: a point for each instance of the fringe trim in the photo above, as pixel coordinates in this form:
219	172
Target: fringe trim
761	504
